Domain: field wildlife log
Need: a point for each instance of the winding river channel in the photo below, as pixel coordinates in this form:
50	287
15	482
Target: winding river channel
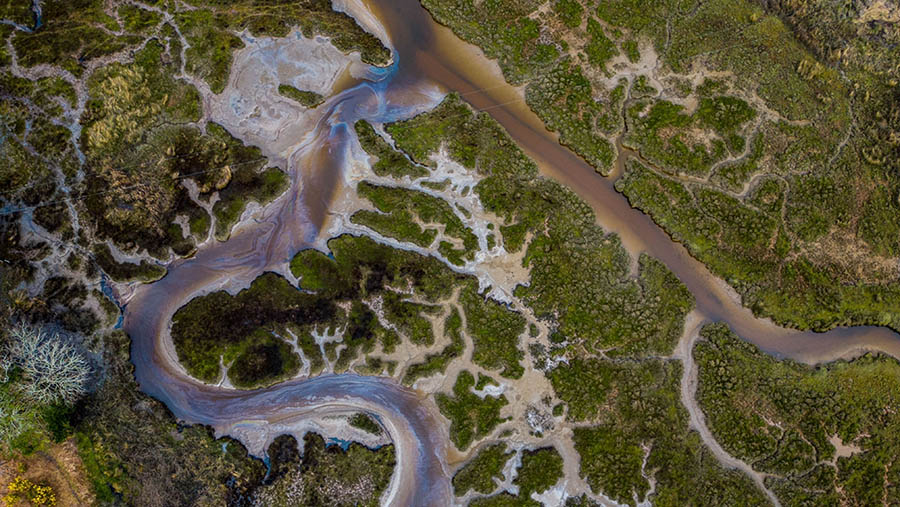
427	58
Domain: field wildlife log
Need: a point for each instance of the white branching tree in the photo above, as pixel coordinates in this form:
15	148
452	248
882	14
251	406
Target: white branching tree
53	369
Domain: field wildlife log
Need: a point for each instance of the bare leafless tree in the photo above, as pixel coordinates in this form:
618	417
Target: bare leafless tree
53	368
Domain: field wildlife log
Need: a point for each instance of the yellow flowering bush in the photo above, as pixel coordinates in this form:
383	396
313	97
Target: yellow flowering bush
23	489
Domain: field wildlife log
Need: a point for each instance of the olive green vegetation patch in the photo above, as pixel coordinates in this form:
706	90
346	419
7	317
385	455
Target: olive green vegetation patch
211	46
25	175
366	423
569	11
220	325
400	210
735	174
541	469
376	366
734	240
362	332
312	17
719	119
471	417
630	48
879	226
572	282
433	281
126	271
339	275
64	301
599	49
269	306
816	93
483	471
503	499
390	162
495	332
438	362
261	360
70	35
637	423
399	225
581	283
564	99
782	417
33	145
18	12
555	88
138	20
410	317
304	97
326	472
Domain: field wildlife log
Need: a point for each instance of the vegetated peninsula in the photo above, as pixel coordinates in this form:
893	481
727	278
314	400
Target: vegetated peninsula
545	363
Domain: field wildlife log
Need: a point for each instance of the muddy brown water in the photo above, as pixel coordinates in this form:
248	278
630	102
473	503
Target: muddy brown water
425	54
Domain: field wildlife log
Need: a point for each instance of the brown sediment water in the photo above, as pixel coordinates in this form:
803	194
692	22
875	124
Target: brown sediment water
321	175
346	81
426	55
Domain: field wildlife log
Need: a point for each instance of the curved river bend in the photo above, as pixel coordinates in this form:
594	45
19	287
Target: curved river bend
426	54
